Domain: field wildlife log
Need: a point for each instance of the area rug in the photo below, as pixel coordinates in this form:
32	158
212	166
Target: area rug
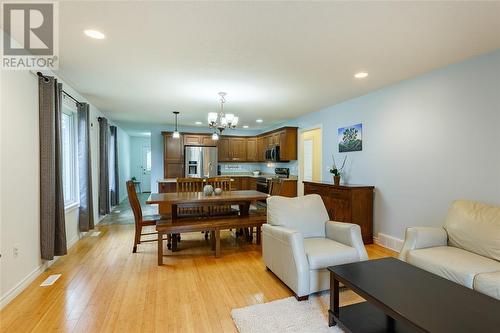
285	315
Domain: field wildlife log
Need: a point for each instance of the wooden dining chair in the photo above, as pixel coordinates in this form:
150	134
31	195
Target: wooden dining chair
185	185
141	220
223	183
275	186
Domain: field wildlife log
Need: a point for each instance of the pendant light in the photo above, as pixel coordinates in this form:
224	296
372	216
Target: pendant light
176	133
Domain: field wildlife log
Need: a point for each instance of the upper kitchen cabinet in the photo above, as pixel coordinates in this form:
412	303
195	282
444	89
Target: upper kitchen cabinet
252	155
198	140
173	156
238	149
223	153
285	138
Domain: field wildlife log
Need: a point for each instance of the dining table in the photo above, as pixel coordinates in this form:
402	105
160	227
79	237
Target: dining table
175	200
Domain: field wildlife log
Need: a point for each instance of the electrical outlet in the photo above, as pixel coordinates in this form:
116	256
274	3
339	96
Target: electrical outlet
15	250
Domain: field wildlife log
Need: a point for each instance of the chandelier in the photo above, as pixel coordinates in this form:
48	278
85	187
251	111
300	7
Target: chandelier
220	121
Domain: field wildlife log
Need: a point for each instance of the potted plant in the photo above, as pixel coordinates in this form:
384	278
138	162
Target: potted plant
337	172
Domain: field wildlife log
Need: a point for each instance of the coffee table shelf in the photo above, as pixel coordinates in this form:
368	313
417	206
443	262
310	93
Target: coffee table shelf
365	317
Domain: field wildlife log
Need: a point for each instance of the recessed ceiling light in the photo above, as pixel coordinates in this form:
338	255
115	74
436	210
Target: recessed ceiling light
198	123
259	120
245	126
361	75
94	34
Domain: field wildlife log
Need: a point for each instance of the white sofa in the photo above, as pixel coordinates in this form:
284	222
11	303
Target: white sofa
299	243
465	250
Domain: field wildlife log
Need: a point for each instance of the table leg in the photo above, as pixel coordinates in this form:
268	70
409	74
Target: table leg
244	208
390	324
160	248
169	241
334	300
212	239
258	240
174	242
217	243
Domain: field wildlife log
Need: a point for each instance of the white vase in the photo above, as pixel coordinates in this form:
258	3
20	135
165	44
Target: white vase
208	190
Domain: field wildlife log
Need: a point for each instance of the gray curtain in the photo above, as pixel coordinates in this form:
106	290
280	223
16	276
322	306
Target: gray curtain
104	206
86	213
52	224
115	200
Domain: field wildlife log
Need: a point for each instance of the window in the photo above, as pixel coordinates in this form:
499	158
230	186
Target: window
69	154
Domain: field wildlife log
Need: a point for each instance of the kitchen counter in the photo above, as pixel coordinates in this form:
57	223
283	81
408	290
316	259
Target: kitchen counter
234	175
262	175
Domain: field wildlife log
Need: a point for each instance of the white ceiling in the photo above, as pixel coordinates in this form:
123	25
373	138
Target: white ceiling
276	60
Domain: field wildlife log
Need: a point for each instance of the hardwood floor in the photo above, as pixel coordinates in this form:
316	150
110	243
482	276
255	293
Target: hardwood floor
104	287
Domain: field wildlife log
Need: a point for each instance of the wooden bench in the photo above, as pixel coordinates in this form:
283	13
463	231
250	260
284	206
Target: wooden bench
214	225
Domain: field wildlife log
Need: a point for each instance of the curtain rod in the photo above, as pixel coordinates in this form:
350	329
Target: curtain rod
64	92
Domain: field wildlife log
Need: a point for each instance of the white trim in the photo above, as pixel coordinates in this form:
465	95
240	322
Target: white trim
71	207
390	242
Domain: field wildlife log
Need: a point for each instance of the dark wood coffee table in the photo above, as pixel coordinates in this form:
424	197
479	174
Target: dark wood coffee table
403	298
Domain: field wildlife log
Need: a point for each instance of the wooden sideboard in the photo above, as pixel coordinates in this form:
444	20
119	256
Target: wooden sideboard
347	203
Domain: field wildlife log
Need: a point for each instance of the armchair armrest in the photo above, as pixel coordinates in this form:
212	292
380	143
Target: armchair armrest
421	238
283	253
348	234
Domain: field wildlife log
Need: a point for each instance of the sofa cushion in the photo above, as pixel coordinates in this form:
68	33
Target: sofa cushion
306	214
488	284
452	263
474	227
324	252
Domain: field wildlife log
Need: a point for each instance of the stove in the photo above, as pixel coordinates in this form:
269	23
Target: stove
263	182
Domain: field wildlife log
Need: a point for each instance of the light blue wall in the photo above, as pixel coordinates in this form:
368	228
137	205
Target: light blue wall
426	142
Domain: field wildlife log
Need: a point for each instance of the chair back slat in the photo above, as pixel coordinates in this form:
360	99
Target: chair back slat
220	182
134	202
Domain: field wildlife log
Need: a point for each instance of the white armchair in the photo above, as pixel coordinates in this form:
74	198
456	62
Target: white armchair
299	243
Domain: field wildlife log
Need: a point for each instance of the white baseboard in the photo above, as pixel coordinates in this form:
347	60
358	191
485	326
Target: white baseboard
27	280
389	242
24	283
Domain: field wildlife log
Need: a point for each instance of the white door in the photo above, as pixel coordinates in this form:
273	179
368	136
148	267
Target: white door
146	169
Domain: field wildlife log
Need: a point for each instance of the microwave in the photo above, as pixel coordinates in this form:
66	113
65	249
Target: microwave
272	153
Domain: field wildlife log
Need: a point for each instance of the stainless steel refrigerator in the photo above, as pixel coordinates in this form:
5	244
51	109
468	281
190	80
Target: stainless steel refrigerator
201	162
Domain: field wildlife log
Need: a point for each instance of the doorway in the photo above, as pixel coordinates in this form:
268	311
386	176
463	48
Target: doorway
146	169
310	156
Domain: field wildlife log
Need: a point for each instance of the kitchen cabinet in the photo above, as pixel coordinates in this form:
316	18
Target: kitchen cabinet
173	156
192	140
261	149
248	183
223	153
236	184
252	150
238	149
207	141
198	140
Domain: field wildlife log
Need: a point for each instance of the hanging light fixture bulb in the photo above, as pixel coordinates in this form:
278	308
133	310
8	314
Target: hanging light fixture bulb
215	136
176	133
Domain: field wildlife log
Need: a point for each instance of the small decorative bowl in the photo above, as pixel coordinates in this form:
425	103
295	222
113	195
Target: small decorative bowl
218	191
256	173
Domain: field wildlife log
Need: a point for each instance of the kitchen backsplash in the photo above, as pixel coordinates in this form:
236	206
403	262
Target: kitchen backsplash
265	167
